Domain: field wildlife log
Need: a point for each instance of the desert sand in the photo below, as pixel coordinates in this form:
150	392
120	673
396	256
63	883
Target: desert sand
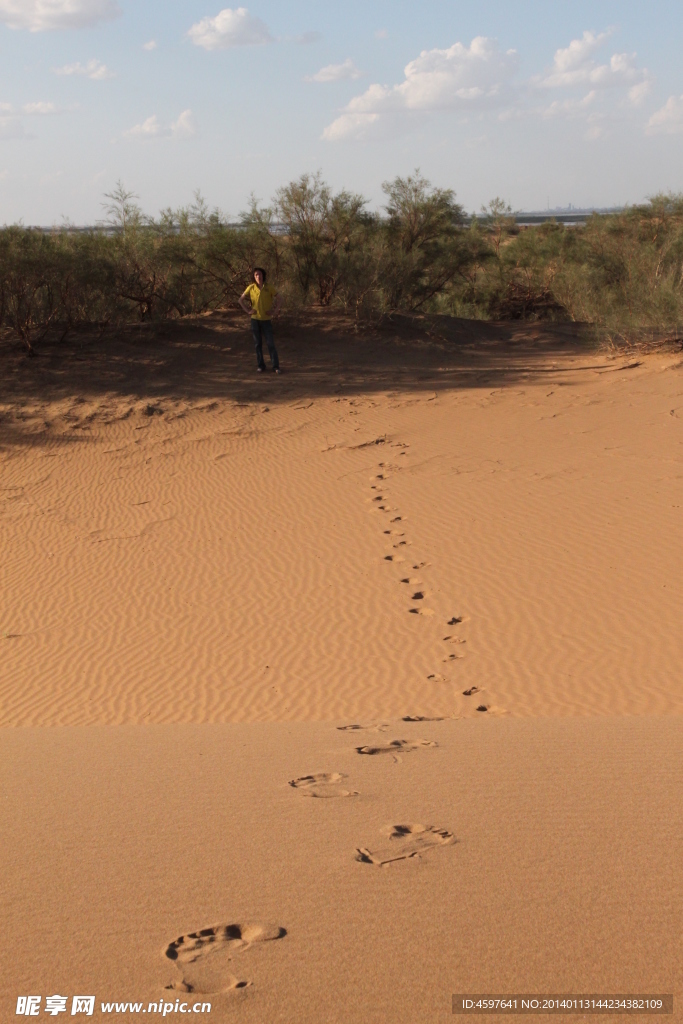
326	696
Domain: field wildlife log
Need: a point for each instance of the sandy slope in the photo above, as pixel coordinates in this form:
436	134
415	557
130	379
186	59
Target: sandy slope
206	561
482	528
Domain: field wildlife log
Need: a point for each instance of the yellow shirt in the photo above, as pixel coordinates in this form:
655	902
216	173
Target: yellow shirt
261	300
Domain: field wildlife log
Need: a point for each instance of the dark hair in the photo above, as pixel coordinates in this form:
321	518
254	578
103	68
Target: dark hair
262	271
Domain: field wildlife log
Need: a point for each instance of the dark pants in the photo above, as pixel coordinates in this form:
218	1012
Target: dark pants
264	329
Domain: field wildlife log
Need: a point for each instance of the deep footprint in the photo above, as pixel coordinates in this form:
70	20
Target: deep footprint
396	747
203	958
323	785
406	841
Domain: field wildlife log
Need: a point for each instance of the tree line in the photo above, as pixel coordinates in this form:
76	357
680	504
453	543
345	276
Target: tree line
622	272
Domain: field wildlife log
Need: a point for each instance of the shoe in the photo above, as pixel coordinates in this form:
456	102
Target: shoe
259	369
277	369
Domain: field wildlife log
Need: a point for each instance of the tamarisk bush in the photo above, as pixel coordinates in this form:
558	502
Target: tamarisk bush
622	273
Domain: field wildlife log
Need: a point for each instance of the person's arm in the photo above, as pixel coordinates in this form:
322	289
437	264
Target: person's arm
247	307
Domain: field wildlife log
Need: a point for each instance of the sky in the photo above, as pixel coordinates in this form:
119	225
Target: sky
541	104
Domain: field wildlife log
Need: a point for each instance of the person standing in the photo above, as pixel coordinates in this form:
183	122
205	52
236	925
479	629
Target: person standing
262	302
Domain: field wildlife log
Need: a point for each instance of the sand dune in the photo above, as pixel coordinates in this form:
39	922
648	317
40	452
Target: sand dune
437	575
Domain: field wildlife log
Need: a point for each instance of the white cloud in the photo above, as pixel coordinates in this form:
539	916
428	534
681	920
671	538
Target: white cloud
39	108
94	69
149	129
11	123
336	73
151	45
351	126
638	93
229	28
574	65
668	120
183	128
461	78
571	107
47	15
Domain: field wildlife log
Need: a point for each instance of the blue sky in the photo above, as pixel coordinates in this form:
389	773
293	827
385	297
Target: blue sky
535	102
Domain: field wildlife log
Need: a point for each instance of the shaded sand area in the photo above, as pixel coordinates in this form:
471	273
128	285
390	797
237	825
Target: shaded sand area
342	691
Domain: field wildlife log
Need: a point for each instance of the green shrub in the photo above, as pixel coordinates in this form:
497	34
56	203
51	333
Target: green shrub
623	273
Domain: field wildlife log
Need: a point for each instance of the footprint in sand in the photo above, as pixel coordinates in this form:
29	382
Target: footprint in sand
406	841
454	621
203	958
420	718
393	558
420	611
486	706
396	747
323	785
373	727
